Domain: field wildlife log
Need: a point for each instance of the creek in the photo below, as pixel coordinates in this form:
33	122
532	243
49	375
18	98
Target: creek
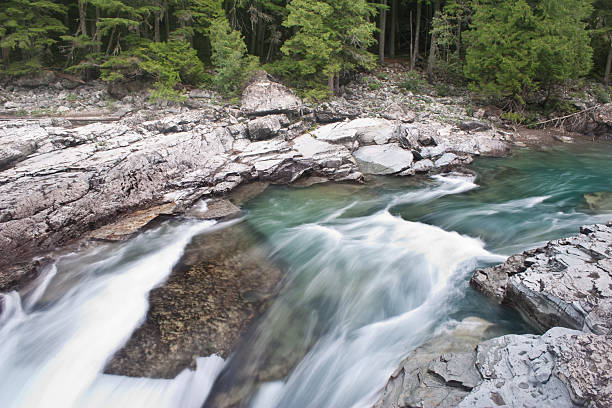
372	271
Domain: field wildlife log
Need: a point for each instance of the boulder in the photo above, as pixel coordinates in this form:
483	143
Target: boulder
423	166
473	126
266	127
568	282
264	96
383	159
336	111
492	147
367	130
396	112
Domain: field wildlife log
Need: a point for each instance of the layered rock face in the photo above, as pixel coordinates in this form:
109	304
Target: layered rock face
567	283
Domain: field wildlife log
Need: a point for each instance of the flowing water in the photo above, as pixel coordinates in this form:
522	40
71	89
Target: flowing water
373	271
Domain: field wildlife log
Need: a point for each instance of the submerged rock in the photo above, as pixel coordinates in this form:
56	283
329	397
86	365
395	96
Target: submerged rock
568	282
599	201
221	284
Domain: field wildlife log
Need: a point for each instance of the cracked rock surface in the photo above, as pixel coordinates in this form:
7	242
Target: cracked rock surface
568	282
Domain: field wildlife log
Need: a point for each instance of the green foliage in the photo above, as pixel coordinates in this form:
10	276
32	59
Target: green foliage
372	83
229	57
413	82
515	48
331	37
513	117
27	29
602	93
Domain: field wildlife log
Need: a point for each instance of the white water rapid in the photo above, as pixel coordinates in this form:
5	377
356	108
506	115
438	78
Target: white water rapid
54	343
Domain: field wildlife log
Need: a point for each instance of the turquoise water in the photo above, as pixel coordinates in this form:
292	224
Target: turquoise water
372	272
376	270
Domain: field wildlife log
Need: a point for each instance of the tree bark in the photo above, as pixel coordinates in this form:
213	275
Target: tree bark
415	55
167	19
5	56
330	83
83	17
381	34
337	78
157	35
95	35
393	28
606	78
432	46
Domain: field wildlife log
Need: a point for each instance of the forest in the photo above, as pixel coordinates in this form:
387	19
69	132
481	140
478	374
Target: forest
511	51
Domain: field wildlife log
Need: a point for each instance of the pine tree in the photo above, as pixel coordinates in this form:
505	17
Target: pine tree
26	33
515	49
332	36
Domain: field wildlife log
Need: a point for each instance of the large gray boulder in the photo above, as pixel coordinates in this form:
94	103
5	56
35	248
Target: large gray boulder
568	282
266	127
264	96
366	130
383	159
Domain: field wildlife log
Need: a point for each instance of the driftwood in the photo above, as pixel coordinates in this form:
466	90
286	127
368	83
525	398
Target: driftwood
574	120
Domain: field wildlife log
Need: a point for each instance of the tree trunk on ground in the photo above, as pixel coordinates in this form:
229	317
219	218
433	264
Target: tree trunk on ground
393	28
415	50
432	46
606	78
381	34
83	18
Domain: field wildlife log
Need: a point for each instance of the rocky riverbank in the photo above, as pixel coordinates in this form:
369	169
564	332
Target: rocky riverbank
59	181
563	288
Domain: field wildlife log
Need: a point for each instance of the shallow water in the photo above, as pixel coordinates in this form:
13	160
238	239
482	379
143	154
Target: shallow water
373	271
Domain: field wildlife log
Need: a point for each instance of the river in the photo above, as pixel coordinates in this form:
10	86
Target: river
372	271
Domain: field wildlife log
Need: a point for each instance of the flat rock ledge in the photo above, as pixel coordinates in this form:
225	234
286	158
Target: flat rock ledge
565	283
568	282
58	183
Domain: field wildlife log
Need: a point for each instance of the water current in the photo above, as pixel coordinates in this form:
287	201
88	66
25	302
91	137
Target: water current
372	271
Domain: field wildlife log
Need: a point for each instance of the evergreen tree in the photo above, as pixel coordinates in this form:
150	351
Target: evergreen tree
332	36
514	48
26	33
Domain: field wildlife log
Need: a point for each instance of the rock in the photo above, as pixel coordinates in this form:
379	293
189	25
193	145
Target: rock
491	147
121	89
216	208
263	97
221	284
423	166
447	159
18	276
265	127
562	368
336	111
396	112
473	126
366	129
42	78
568	282
383	159
129	225
599	201
441	372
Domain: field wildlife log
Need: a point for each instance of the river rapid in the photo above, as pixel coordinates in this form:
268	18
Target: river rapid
372	271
